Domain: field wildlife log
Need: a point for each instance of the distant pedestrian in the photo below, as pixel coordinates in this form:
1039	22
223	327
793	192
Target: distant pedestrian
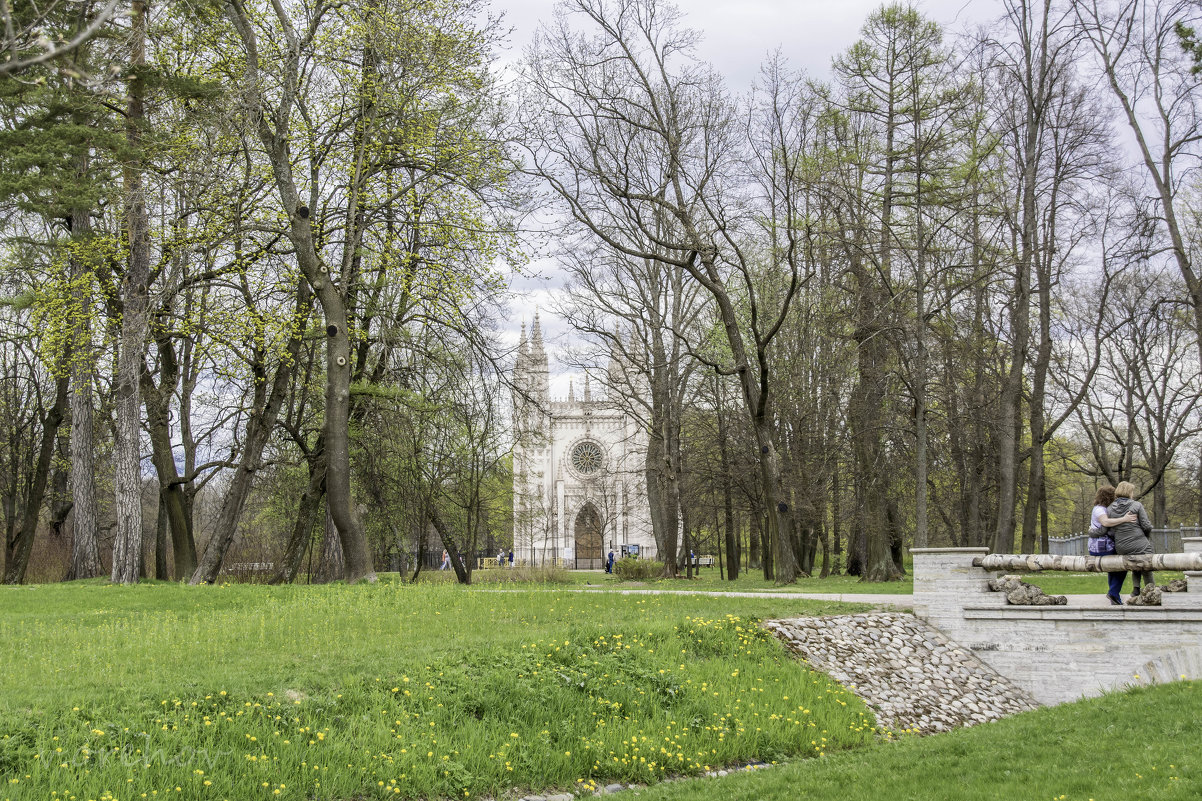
511	560
500	559
446	560
609	563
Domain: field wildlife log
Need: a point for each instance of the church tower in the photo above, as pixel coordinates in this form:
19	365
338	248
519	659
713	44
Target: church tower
579	479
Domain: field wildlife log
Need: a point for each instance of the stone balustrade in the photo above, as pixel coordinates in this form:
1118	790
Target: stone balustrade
1060	653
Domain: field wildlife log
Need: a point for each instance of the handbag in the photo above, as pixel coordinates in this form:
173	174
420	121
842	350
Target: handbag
1101	543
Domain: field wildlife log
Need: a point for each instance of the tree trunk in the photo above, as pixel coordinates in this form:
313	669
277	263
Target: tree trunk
307	509
160	541
867	422
277	144
21	546
1043	359
824	538
836	514
732	548
672	509
127	457
172	502
85	549
462	574
754	537
332	565
652	472
1034	76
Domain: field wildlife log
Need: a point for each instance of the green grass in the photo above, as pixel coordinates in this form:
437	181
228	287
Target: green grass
245	692
438	691
707	579
1138	745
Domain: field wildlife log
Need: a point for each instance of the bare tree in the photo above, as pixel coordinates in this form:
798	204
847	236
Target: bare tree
633	135
1152	79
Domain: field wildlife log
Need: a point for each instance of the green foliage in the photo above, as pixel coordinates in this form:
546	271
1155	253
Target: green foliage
1192	44
632	569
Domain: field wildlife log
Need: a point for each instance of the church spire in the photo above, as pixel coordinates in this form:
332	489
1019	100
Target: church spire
571	391
540	381
588	393
523	359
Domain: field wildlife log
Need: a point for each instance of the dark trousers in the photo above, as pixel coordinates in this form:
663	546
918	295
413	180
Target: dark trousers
1116	582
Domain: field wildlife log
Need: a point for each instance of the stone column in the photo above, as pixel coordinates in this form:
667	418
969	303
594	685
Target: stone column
561	540
945	580
1193	577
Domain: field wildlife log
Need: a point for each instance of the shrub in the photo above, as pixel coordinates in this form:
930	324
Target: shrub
631	569
540	574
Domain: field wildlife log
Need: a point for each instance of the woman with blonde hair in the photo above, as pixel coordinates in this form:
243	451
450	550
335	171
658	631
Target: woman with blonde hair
1131	539
1101	541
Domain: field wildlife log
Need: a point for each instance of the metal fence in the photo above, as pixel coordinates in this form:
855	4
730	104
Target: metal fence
1164	540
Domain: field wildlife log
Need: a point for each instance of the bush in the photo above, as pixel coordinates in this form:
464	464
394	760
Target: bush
540	574
631	569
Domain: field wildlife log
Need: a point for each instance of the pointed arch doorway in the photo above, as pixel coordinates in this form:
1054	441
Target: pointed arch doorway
588	539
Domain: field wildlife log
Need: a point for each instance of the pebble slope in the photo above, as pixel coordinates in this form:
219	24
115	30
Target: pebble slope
912	676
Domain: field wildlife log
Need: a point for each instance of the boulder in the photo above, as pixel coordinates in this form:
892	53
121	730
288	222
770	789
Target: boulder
1020	593
1148	596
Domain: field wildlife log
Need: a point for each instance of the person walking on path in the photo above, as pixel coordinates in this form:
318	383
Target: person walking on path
1131	539
446	560
1101	542
609	563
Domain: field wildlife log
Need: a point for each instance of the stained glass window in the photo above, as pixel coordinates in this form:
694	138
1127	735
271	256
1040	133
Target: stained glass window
586	457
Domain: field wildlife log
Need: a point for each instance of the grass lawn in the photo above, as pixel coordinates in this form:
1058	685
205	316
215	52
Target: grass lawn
707	579
1139	745
246	692
436	691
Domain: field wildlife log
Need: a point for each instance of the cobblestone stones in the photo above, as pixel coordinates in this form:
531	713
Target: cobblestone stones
905	670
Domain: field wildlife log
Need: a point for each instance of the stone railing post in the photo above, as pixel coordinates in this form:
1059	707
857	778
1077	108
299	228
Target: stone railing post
1193	577
945	580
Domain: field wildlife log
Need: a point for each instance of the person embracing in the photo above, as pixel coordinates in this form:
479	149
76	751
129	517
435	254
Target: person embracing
1131	539
1101	539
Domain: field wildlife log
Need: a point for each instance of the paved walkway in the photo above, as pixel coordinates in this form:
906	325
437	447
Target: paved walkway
895	601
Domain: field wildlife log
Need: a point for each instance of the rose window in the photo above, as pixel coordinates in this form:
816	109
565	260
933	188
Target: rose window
587	458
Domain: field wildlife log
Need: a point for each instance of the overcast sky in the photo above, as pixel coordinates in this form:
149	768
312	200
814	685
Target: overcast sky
736	36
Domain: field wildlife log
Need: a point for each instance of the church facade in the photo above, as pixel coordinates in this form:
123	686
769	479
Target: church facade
579	477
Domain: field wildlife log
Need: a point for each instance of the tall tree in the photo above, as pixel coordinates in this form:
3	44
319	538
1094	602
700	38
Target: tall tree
633	135
127	458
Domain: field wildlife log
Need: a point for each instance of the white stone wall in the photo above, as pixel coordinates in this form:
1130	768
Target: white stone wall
618	492
1059	653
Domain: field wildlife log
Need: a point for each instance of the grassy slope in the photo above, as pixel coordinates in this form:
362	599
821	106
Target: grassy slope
1138	745
360	692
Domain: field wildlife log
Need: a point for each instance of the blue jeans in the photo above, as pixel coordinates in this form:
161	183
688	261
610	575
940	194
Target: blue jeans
1116	583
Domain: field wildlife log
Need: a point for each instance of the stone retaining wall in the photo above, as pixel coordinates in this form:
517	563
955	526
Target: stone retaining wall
1059	653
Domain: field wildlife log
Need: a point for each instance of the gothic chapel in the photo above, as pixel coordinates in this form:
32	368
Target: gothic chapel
579	474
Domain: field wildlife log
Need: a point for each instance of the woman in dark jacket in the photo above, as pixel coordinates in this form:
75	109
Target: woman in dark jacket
1131	539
